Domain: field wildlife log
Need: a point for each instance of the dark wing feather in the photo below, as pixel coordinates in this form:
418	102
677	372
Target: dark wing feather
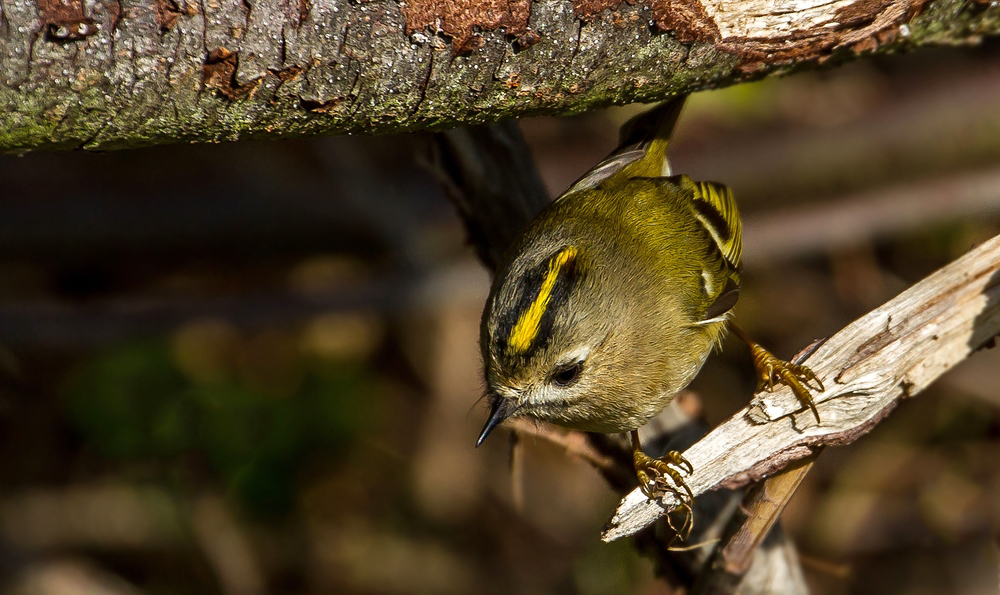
715	207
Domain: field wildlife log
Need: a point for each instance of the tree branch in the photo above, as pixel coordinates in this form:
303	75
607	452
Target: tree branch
105	75
854	219
750	528
893	352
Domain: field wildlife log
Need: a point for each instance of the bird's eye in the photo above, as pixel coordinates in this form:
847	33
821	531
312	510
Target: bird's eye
567	374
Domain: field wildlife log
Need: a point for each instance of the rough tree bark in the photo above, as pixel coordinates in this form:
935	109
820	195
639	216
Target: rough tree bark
102	74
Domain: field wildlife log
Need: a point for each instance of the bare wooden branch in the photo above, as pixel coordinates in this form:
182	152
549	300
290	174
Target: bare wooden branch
488	174
893	352
749	528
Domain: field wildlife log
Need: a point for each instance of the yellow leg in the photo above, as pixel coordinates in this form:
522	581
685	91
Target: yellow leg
770	369
652	475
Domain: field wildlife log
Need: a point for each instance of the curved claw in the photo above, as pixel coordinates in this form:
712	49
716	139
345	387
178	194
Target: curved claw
793	381
795	376
646	484
678	459
652	474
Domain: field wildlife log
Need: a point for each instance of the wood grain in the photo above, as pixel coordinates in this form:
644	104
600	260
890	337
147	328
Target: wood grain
893	352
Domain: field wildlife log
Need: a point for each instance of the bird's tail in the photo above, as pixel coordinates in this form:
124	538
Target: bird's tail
650	133
642	148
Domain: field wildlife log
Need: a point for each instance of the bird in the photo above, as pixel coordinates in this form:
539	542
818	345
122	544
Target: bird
610	301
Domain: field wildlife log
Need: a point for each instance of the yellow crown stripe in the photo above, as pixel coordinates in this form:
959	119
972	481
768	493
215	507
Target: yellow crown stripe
526	328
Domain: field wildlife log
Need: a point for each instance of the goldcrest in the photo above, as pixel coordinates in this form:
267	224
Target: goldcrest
610	302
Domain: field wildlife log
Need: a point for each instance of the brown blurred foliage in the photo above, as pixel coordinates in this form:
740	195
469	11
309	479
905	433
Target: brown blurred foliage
249	369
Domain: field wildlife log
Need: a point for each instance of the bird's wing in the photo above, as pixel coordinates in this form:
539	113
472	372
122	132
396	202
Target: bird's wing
714	208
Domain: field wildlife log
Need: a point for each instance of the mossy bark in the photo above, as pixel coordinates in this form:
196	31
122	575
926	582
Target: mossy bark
106	74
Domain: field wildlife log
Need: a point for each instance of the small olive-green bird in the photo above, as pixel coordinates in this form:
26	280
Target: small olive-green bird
610	302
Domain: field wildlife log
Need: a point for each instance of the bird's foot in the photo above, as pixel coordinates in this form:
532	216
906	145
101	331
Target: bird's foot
653	474
772	370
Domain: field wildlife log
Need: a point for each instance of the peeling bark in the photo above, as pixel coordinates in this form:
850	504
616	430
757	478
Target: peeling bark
103	74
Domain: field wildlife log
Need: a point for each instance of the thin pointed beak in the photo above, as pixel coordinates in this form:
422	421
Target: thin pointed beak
499	411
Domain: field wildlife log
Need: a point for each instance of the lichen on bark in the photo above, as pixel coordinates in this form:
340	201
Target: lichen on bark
100	74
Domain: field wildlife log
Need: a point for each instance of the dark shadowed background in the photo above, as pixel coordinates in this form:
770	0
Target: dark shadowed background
253	368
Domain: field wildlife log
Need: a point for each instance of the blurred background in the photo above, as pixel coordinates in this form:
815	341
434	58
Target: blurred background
253	368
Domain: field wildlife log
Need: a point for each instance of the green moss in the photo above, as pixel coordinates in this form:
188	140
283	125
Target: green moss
133	405
101	116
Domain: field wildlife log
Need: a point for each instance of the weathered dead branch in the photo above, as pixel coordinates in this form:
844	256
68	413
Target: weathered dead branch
891	353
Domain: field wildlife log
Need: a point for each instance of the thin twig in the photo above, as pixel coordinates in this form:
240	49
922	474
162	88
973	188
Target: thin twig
762	507
855	219
613	464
